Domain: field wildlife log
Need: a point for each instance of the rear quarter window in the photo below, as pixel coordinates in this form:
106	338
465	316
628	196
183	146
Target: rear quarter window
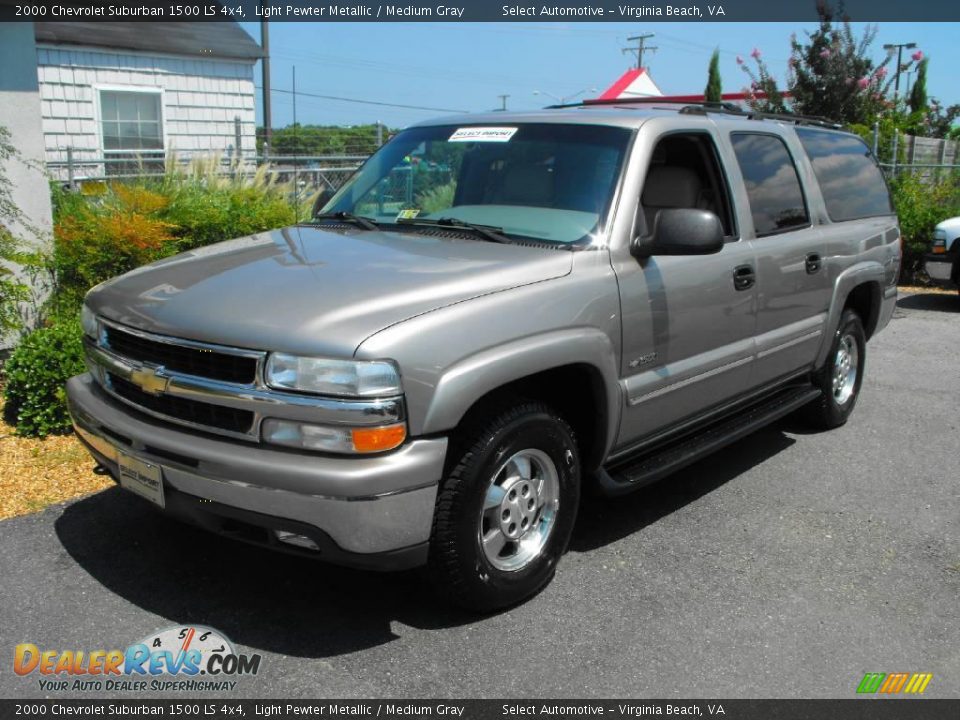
850	180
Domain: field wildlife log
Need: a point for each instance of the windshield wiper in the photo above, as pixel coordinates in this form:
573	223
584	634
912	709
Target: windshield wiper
358	220
487	232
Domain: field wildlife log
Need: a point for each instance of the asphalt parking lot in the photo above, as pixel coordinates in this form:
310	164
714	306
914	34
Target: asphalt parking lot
788	565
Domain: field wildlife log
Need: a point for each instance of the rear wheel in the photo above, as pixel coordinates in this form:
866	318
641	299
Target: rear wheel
841	376
506	510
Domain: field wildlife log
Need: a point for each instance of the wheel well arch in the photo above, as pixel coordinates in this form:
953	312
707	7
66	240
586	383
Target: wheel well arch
575	391
865	299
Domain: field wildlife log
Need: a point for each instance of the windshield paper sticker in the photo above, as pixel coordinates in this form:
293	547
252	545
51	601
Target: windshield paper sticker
483	134
408	213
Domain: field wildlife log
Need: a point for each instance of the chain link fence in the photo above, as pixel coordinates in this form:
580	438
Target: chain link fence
309	173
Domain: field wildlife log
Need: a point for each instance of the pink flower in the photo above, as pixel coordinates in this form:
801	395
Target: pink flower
881	73
739	60
824	54
755	54
917	56
863	83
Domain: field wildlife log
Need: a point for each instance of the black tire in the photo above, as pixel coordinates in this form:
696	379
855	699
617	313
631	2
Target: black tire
458	564
831	410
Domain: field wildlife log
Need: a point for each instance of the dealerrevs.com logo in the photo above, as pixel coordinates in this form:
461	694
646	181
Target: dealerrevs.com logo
181	658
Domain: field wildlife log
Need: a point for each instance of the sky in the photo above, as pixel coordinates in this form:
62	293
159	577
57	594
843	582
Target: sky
466	66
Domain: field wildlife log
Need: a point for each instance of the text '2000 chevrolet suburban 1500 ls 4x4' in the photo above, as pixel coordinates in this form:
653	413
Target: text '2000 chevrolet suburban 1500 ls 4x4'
492	315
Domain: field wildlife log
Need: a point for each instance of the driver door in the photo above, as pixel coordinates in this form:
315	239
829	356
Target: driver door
688	321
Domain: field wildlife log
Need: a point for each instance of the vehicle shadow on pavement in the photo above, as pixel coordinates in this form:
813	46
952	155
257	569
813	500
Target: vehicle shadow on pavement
938	302
299	607
260	598
602	521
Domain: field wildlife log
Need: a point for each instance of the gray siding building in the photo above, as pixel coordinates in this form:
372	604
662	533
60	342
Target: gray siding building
134	93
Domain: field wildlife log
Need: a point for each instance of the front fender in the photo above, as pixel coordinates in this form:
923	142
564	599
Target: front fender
452	357
465	382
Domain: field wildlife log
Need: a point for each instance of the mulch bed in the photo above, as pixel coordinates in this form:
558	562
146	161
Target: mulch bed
36	473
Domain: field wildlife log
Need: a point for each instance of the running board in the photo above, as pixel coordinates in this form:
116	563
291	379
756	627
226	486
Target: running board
651	465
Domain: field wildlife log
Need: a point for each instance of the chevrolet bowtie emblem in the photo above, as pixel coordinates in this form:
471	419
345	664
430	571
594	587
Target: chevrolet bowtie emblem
150	380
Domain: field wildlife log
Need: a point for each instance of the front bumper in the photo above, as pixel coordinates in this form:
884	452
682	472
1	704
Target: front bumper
939	267
373	512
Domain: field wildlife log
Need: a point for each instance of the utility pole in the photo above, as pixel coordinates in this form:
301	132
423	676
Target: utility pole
503	103
890	47
265	67
641	47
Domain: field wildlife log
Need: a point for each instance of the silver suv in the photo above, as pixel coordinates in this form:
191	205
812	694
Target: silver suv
493	314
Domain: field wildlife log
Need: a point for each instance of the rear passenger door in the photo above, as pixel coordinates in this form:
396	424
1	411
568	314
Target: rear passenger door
793	291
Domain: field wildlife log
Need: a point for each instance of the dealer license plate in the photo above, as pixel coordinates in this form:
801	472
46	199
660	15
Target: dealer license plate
143	478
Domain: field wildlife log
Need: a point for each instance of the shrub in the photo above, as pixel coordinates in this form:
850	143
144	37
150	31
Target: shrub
100	235
98	238
437	198
35	376
921	204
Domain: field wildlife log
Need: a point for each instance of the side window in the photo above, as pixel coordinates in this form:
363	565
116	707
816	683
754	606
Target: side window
849	177
773	186
684	172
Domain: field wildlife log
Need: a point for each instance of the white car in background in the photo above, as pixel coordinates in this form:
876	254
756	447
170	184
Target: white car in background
942	263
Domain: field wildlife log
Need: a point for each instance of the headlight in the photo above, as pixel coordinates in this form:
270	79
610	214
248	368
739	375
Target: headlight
322	376
88	320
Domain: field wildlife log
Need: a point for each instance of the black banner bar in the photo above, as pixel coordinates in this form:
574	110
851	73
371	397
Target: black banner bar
472	10
853	709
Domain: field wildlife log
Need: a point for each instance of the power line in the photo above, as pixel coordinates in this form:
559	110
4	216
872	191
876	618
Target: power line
368	102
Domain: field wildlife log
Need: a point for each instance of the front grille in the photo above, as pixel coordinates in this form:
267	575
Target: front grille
198	413
180	358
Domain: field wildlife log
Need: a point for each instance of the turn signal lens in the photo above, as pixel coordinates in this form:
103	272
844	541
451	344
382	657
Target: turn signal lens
325	438
368	440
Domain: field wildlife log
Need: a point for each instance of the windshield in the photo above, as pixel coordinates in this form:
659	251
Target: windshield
544	181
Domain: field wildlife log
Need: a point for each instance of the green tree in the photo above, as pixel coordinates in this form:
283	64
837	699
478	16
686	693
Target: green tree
830	74
714	90
918	93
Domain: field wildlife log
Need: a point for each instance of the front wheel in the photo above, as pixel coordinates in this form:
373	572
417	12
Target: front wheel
841	376
506	510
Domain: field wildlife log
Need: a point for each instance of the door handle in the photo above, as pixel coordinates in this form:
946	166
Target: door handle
743	277
814	263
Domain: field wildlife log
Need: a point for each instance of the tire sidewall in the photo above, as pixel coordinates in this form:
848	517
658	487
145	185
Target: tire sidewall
850	324
540	431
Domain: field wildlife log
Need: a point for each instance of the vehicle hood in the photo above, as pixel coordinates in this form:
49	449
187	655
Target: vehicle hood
314	291
951	227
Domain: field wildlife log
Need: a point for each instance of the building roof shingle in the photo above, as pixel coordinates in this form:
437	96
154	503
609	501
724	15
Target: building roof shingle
200	39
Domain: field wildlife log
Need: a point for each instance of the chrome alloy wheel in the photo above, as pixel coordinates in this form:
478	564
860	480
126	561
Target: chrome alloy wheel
519	510
845	369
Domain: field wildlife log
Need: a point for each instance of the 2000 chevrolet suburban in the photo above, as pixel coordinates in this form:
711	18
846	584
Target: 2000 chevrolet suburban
494	314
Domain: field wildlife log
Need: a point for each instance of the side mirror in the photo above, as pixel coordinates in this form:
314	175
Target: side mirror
681	231
322	199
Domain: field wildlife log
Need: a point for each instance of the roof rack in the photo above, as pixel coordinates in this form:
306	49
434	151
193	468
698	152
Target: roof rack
704	107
